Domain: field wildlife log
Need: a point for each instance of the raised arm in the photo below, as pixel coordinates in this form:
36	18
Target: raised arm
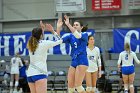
72	29
59	26
50	28
47	27
42	27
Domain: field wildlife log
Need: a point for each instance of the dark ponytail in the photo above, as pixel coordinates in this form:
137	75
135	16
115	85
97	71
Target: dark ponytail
85	28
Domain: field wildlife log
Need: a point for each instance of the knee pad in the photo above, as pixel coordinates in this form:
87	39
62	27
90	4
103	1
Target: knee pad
89	89
131	85
16	83
93	89
80	88
71	90
11	84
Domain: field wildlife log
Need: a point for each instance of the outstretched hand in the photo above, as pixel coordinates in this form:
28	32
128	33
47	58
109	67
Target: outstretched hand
49	28
72	29
59	23
42	25
66	20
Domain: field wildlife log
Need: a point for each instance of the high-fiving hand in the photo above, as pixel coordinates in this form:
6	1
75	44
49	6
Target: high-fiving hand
66	20
59	23
42	25
49	28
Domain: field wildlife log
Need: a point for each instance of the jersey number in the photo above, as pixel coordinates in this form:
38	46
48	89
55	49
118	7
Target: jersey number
75	44
126	57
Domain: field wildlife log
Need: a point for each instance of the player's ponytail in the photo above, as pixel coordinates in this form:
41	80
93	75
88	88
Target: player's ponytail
34	39
32	44
127	47
85	28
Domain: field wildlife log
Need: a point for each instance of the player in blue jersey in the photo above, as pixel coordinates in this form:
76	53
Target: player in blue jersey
79	65
127	68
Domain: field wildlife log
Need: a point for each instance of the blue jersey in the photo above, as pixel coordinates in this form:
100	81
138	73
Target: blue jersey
78	46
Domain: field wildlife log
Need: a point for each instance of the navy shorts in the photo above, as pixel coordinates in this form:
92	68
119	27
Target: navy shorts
33	79
127	70
80	60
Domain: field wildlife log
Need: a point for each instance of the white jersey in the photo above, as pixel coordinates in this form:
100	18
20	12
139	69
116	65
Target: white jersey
127	59
94	59
38	63
15	63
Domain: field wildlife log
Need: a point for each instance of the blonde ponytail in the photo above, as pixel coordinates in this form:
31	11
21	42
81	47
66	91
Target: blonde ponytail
32	44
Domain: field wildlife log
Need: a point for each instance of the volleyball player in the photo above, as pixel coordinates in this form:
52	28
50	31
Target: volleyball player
94	69
127	68
15	64
37	71
78	41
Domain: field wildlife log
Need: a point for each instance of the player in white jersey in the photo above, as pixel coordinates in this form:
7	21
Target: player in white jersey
15	64
37	71
94	69
127	58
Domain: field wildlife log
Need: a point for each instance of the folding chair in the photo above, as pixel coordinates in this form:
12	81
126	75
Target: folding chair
50	81
2	72
114	79
60	81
